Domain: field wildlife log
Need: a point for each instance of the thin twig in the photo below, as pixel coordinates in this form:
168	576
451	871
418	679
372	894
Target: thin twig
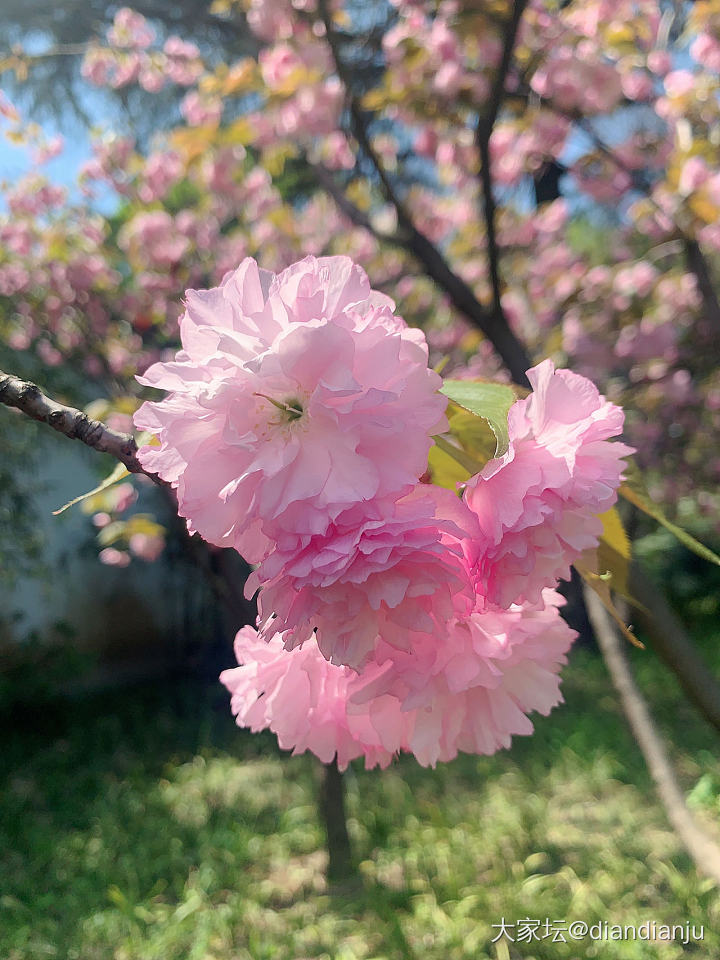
354	214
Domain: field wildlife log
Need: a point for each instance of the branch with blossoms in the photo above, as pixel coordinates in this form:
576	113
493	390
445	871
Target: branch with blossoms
369	578
304	429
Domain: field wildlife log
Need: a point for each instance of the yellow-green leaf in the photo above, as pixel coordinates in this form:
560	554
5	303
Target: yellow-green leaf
474	433
466	461
635	492
112	533
614	552
144	523
119	473
445	471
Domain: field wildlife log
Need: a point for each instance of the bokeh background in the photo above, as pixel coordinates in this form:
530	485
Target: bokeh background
137	821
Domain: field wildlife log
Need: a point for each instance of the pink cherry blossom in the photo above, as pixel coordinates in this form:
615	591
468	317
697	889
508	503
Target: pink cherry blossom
678	83
48	150
278	64
693	175
146	546
122	496
295	397
154	238
637	279
336	153
7	110
98	65
199	110
537	504
127	68
183	63
637	85
130	29
313	110
160	172
303	699
659	61
472	688
705	49
394	572
271	19
601	178
114	558
578	80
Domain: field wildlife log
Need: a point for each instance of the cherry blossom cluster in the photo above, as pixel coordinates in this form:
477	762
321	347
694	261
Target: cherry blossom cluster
394	614
620	98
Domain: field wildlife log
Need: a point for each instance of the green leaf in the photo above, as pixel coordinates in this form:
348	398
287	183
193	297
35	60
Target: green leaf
491	401
460	456
635	492
119	473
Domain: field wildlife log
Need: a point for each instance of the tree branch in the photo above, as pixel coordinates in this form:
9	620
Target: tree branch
488	210
492	324
698	265
700	845
483	132
30	400
670	641
354	214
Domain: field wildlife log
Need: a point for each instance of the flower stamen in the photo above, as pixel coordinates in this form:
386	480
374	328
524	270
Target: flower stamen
292	408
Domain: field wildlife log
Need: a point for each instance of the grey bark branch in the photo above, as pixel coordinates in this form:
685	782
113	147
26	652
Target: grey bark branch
703	849
30	400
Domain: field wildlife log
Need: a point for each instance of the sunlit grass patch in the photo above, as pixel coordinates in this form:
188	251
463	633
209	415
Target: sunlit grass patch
145	826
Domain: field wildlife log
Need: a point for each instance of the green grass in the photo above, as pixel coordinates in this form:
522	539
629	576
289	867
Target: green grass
145	826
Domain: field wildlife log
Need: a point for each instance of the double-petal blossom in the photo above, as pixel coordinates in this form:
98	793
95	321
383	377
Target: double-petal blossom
295	397
470	690
538	505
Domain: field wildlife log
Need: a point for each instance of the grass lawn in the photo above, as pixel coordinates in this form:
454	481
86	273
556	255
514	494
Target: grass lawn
143	825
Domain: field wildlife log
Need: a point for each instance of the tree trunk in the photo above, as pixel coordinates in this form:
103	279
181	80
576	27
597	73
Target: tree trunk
341	865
